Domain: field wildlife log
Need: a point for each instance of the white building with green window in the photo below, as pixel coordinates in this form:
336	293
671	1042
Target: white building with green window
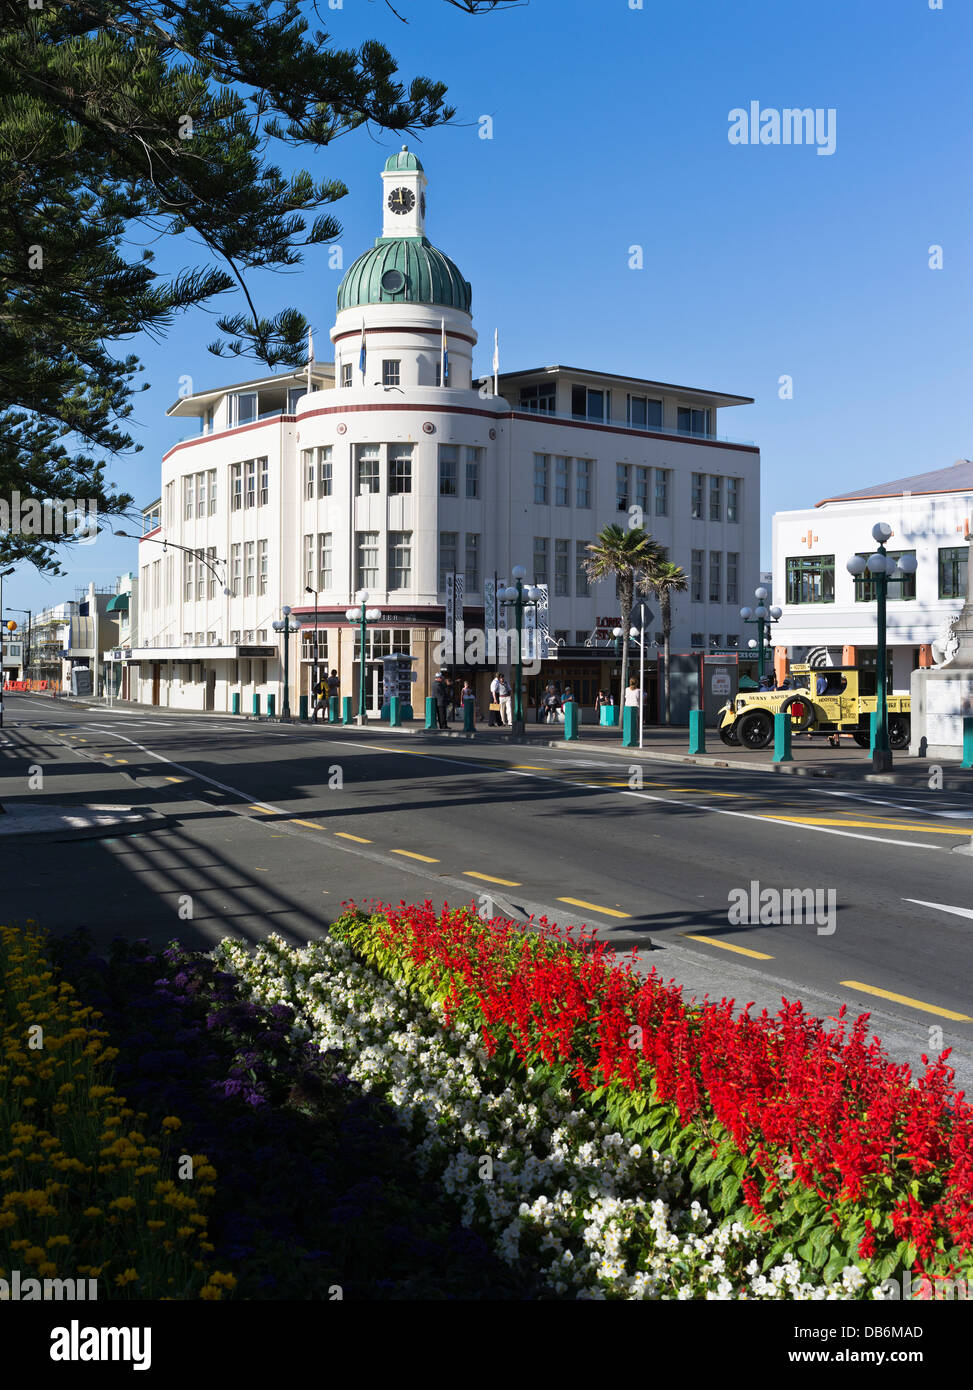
400	468
830	616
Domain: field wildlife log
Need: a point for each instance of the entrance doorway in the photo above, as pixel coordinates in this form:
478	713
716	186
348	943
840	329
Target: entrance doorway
210	689
155	682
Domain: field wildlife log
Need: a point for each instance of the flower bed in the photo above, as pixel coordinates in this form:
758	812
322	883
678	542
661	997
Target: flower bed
809	1133
88	1194
561	1192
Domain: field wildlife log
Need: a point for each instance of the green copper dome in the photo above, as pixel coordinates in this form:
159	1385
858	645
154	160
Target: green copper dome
404	270
403	160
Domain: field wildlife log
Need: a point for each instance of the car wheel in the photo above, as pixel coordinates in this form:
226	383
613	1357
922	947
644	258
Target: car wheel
756	730
729	735
799	722
899	730
863	740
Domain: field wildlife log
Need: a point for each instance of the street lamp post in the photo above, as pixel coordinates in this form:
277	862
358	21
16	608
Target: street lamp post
314	667
881	567
763	617
12	626
364	616
518	597
286	629
638	635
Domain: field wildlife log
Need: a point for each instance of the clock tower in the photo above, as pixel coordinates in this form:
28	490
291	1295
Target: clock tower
404	196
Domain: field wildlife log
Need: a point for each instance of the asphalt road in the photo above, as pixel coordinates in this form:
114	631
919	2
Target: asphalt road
272	827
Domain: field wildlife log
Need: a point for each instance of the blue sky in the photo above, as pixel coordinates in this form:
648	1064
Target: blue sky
610	130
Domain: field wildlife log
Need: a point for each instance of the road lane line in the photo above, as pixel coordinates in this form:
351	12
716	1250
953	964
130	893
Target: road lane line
942	907
877	825
264	809
410	854
594	907
727	946
311	825
905	999
507	882
359	839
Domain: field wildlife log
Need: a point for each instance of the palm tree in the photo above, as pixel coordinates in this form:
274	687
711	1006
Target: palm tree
665	580
629	555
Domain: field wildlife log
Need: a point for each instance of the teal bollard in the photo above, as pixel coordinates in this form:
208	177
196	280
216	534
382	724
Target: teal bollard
271	706
395	712
630	732
430	712
333	709
469	708
235	702
967	741
346	709
782	738
302	707
872	727
571	720
256	705
697	731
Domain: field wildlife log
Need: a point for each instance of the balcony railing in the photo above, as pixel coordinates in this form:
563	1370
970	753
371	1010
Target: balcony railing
623	424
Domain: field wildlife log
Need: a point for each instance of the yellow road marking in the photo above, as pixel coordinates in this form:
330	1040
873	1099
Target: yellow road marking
108	755
258	870
728	946
345	836
409	854
311	825
121	760
594	907
266	811
175	779
520	767
878	825
904	999
507	882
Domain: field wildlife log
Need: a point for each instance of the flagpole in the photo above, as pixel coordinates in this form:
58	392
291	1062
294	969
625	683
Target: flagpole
310	355
496	360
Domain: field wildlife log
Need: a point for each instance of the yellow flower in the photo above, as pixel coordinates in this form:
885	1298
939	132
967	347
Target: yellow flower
123	1203
155	1225
58	1240
47	1269
7	1218
185	1231
144	1170
209	1291
33	1253
127	1276
170	1121
93	1211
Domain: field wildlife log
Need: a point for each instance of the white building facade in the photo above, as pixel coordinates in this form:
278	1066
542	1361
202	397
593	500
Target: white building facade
829	616
399	469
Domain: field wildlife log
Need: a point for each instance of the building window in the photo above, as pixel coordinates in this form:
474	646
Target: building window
541	465
621	487
245	408
582	585
188	492
264	497
732	640
810	579
325	471
715	497
696	591
582	480
367	456
346	373
642	488
662	492
866	588
211	571
439	372
250	483
400	559
447	556
236	486
366	566
472	563
697	508
261	567
309	562
644	413
201	494
539	398
580	636
732	585
309	473
696	639
716	639
448	470
693	421
325	580
716	576
562	482
187	576
390	373
400	469
561	587
249	567
235	636
187	639
294	394
236	567
473	459
590	405
733	499
952	571
540	560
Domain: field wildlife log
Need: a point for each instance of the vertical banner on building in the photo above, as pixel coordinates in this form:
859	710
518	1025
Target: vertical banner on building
450	617
490	620
459	643
536	631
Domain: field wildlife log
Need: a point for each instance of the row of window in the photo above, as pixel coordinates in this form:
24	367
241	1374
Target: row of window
641	412
391	372
195	639
810	578
698	495
714	589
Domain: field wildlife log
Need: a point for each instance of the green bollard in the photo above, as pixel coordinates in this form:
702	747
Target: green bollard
346	717
395	712
630	732
302	707
256	705
571	720
469	709
967	741
697	731
782	738
430	712
235	702
271	706
872	728
333	709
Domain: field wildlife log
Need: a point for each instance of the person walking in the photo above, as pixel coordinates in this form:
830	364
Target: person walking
320	698
440	693
334	686
506	700
496	717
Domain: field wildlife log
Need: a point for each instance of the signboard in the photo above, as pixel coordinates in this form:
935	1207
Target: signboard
397	677
721	683
537	635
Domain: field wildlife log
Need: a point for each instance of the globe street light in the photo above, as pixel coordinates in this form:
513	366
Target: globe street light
638	635
763	617
286	628
364	616
518	597
881	567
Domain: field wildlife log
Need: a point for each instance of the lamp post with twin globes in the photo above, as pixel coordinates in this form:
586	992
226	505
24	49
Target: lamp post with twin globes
518	597
364	616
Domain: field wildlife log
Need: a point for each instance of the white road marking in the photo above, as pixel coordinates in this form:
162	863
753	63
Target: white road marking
942	907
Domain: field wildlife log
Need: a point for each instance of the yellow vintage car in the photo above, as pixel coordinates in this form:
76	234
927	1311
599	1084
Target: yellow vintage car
843	705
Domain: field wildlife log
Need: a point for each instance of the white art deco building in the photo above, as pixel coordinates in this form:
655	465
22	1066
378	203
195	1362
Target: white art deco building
386	476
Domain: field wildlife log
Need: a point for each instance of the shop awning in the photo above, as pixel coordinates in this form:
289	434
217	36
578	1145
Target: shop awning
118	603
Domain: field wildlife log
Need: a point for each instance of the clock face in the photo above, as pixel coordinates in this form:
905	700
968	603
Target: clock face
402	200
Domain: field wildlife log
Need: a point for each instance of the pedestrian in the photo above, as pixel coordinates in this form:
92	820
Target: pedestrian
567	699
632	696
440	693
496	717
334	686
320	698
506	700
468	701
552	704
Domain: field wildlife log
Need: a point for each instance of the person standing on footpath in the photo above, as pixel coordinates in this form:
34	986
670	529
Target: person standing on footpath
440	693
496	716
506	699
468	701
632	700
320	698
